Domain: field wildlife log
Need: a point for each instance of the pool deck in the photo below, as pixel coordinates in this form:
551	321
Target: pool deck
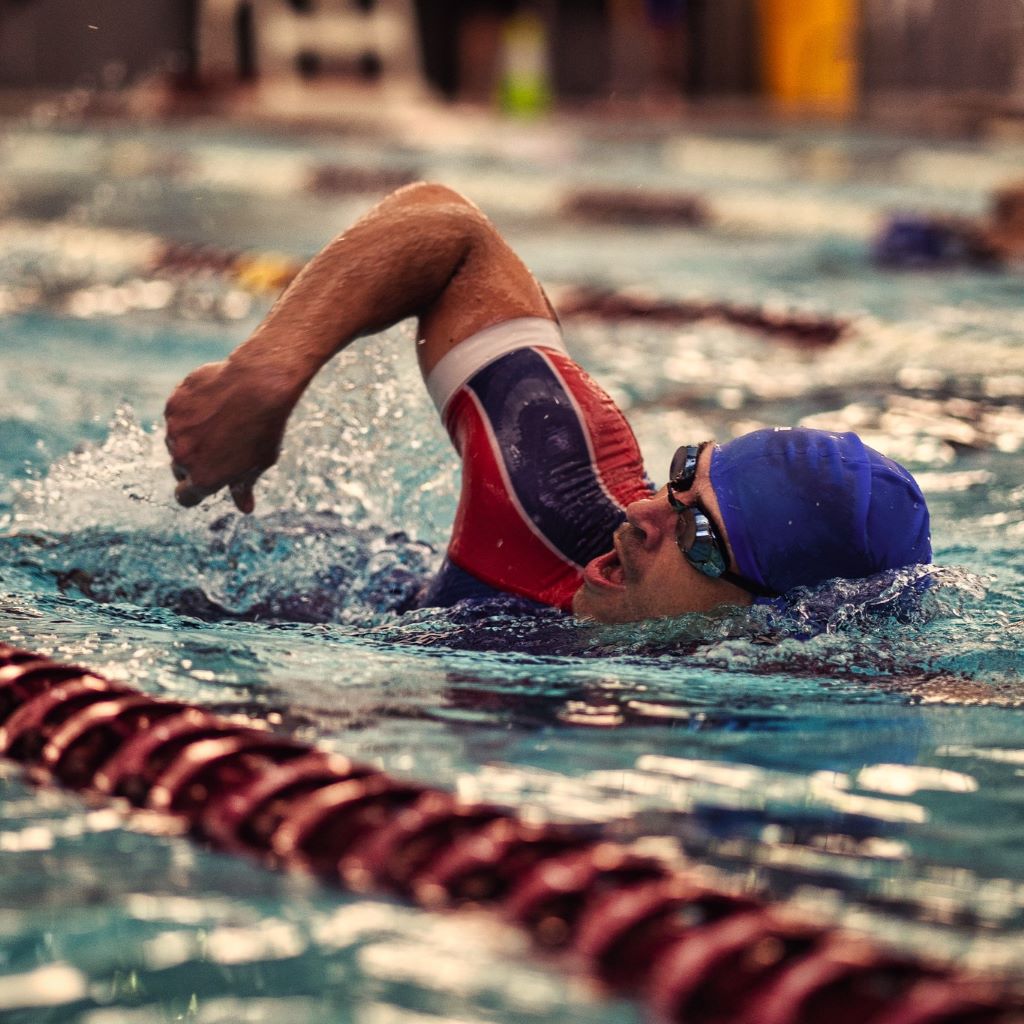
940	149
403	109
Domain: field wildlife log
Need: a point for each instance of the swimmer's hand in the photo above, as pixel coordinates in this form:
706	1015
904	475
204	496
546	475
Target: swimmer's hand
224	429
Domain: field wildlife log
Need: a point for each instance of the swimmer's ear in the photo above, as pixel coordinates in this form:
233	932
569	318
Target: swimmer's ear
241	494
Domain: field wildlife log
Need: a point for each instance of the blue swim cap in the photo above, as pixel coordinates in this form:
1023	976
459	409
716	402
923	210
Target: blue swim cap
803	506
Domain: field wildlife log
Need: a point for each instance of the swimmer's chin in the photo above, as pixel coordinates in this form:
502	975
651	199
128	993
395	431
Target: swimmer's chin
579	606
583	609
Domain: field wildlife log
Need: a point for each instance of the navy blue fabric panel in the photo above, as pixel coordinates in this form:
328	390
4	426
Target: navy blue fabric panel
452	585
545	452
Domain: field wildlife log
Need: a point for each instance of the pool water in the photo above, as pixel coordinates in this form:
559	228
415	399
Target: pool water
865	765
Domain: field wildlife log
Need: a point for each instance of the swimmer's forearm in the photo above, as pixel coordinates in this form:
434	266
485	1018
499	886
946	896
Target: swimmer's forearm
393	263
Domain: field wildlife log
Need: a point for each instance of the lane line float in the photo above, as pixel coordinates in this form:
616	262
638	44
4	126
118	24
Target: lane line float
693	951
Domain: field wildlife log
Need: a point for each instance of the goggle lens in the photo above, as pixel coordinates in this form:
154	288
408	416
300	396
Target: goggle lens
698	542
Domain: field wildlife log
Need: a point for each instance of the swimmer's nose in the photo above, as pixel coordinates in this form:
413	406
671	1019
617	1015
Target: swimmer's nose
653	517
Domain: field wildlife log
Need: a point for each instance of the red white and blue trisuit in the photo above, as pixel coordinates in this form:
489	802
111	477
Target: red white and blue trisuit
549	465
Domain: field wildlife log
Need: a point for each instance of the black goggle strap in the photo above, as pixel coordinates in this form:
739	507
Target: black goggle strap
684	467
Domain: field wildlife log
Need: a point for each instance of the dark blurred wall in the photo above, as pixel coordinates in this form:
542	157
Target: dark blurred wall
446	34
717	52
940	45
64	43
905	46
580	44
723	54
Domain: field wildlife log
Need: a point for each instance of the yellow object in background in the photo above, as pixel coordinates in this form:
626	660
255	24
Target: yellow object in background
264	273
809	53
524	87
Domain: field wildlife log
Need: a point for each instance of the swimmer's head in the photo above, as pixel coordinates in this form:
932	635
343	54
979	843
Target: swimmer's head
790	508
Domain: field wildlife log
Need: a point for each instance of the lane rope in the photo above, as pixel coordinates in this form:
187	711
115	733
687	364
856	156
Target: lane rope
692	950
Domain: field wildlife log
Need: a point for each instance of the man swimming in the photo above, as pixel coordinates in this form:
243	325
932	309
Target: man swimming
555	506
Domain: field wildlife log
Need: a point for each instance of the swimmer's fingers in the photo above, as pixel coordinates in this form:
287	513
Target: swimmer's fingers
224	428
241	492
189	495
191	489
243	498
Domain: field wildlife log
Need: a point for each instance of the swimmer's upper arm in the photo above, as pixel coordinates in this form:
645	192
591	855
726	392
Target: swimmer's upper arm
489	283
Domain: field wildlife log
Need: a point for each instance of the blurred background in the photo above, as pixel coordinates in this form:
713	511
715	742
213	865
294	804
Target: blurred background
945	65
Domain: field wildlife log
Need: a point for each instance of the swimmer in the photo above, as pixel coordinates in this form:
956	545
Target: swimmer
921	241
1006	222
555	506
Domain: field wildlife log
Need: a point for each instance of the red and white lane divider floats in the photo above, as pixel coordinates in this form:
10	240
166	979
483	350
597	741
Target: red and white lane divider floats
269	273
692	950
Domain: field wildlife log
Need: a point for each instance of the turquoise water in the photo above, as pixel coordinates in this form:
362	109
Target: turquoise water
865	767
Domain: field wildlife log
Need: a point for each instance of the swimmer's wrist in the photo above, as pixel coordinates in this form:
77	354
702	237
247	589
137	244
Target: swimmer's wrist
278	383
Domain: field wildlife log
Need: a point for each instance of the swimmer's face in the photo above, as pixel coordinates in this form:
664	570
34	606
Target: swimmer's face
645	575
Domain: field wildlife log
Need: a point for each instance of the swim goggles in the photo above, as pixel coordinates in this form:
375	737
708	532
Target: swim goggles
695	535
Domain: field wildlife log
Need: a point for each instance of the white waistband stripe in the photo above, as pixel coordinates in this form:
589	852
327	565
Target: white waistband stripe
476	351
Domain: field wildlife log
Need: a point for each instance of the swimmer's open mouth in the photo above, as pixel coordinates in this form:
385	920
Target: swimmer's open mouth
606	571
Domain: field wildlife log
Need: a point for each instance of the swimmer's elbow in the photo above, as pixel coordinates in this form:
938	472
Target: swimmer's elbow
431	193
435	211
446	208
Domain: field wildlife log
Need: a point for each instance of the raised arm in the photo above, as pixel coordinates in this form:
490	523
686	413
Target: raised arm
424	251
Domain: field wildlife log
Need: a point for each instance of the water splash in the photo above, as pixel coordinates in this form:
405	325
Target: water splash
330	541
